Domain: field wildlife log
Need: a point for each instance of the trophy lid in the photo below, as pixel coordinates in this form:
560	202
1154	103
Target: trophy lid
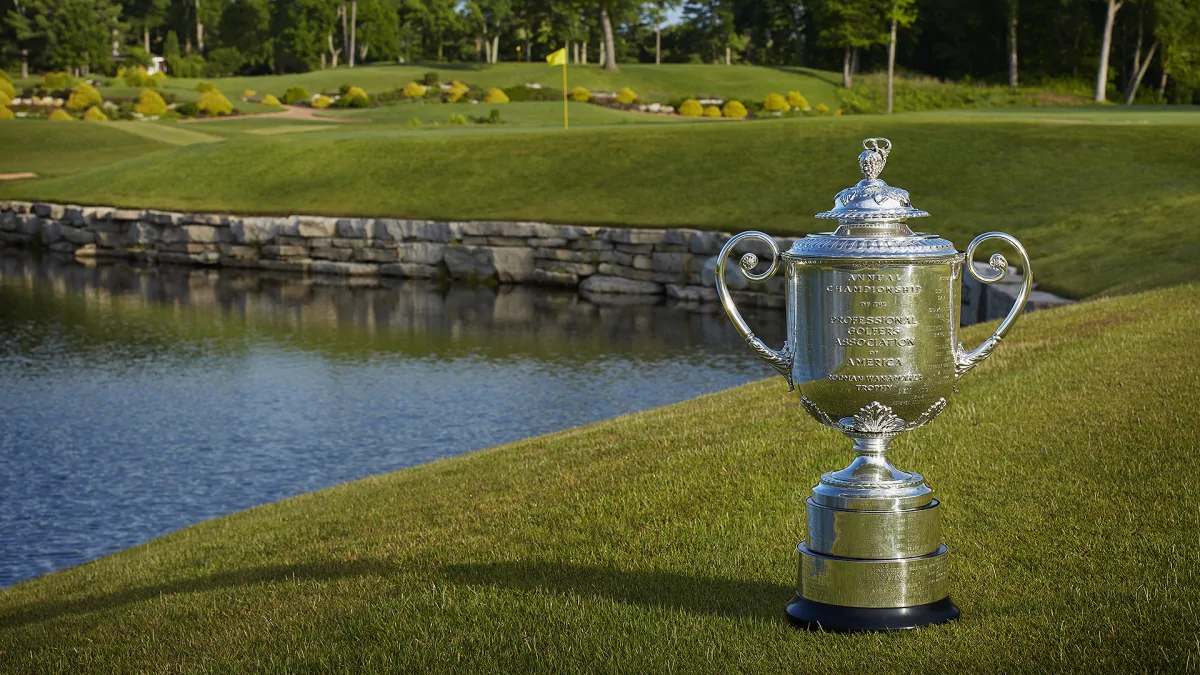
871	218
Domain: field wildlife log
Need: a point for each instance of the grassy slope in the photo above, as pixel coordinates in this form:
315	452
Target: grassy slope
750	83
662	540
542	113
1093	201
52	149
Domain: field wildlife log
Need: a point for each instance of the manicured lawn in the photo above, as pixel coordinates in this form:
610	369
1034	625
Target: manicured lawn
1104	206
533	114
663	541
56	148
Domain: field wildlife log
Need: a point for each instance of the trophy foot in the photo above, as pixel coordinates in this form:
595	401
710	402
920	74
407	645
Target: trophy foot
811	615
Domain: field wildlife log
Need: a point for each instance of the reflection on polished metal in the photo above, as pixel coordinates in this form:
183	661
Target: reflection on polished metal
872	322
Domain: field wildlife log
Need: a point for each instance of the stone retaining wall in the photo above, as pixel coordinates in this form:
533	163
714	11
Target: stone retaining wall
678	263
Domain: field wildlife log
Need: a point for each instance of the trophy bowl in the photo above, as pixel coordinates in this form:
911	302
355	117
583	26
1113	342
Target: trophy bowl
871	343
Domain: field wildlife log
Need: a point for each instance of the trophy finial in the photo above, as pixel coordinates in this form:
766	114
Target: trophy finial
874	157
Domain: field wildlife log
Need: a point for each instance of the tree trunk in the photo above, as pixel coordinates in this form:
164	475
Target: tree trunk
1162	82
847	81
1012	44
440	45
891	89
1105	44
478	48
610	47
854	61
333	53
602	60
657	44
146	37
322	60
362	52
728	58
345	28
495	49
354	33
584	50
1135	80
25	66
199	30
487	49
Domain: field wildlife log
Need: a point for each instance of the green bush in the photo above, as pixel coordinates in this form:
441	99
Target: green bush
60	115
775	103
6	114
8	89
521	93
431	79
214	103
150	104
205	86
581	94
457	119
57	81
95	114
495	96
796	100
493	117
5	100
224	61
321	102
690	108
296	95
189	109
192	65
137	77
734	109
414	90
821	109
137	57
356	97
626	96
270	99
712	111
248	93
457	91
84	96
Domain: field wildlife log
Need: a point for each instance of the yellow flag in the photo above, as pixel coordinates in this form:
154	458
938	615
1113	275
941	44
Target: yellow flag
558	58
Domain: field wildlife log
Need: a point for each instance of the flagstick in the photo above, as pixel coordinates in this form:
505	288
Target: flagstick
564	94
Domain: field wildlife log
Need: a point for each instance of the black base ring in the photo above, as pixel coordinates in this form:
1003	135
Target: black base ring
810	615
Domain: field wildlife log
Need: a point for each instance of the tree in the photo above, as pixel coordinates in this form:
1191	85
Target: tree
490	17
378	30
713	19
245	26
72	35
146	14
1012	43
851	25
1105	45
610	45
656	13
301	28
1178	31
1140	63
901	13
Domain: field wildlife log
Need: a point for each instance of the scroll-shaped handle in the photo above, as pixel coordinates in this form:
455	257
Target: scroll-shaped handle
965	360
781	359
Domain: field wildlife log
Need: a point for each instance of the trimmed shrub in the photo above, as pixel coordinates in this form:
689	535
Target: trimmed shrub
321	102
137	77
223	61
214	103
189	109
205	86
8	89
248	93
457	119
4	75
837	113
626	96
84	96
797	100
295	95
60	115
734	109
138	57
712	111
270	99
457	90
57	81
524	93
431	79
357	97
5	100
150	104
414	90
691	108
495	96
821	109
95	114
775	103
192	65
6	114
581	94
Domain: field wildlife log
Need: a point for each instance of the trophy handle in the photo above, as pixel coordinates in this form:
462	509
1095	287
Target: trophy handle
966	360
781	359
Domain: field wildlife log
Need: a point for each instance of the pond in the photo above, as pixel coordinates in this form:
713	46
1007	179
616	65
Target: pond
136	401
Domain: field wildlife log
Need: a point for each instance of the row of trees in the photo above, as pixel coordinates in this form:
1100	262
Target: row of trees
1014	41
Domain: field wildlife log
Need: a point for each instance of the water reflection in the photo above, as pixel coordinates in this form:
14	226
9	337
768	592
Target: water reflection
137	401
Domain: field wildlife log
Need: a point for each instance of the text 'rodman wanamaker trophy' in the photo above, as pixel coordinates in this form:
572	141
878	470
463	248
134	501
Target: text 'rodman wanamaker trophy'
872	322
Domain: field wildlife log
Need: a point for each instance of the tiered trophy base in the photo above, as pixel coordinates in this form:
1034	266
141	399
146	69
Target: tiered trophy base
874	558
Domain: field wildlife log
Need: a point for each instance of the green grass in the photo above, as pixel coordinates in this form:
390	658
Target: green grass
527	114
1094	201
662	541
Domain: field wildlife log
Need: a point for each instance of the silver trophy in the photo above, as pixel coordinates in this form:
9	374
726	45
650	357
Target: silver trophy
872	316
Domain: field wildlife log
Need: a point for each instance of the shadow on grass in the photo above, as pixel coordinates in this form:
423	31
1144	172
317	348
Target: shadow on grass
37	612
831	78
653	589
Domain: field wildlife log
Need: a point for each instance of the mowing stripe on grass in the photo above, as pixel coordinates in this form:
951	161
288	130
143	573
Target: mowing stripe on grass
166	133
